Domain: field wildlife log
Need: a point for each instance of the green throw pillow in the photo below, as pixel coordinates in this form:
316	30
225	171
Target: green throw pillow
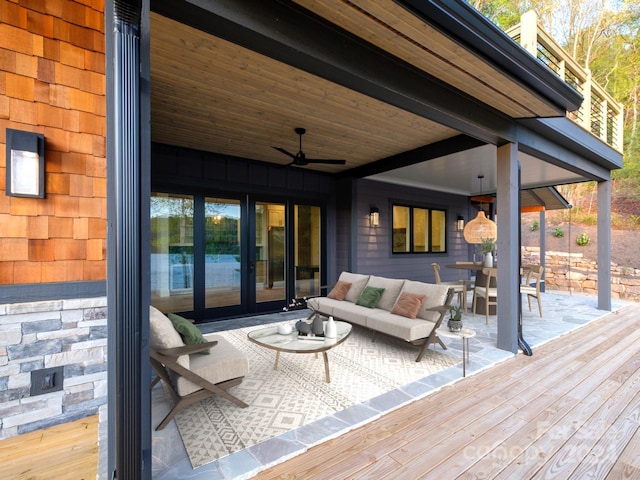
188	331
370	297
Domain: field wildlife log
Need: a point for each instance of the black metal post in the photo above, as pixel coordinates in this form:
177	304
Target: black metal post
524	346
127	295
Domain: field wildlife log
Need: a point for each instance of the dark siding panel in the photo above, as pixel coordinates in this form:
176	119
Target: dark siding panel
183	167
215	169
374	243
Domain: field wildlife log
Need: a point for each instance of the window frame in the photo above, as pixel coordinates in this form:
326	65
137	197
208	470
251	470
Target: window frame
409	234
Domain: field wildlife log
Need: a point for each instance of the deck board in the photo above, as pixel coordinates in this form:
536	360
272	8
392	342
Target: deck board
66	451
569	411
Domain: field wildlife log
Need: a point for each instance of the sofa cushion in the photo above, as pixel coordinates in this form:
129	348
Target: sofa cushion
353	313
188	331
163	335
408	304
225	362
435	296
392	288
400	327
357	281
340	290
370	297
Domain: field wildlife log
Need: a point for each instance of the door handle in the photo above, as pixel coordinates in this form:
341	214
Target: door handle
250	267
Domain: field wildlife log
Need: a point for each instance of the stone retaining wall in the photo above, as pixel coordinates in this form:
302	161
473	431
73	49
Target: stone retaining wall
572	272
71	334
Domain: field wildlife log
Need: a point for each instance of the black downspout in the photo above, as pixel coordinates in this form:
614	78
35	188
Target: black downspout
129	455
524	346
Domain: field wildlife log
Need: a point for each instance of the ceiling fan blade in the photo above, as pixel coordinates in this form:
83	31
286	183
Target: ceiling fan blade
325	160
282	150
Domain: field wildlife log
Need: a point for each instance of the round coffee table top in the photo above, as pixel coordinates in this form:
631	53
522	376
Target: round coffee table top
270	338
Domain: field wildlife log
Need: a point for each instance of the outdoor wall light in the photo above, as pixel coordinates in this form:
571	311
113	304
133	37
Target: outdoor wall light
460	223
25	164
374	216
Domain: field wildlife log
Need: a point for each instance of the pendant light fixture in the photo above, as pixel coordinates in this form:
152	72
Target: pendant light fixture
480	227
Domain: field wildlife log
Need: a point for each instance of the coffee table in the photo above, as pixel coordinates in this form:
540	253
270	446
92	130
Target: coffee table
269	337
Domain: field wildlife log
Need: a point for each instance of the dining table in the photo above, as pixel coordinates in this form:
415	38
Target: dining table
480	278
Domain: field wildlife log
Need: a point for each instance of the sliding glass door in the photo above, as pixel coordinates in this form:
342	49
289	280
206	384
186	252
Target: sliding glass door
222	252
172	252
215	257
307	250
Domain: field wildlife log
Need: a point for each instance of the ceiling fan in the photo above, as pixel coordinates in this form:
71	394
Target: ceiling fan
301	159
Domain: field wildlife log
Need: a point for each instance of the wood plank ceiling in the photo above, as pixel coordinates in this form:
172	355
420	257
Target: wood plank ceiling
213	95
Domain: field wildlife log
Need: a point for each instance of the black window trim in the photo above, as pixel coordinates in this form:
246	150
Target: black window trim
431	208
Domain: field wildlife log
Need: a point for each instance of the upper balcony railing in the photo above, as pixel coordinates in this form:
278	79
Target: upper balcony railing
599	113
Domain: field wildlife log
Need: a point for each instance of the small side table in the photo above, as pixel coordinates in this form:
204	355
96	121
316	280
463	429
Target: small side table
465	334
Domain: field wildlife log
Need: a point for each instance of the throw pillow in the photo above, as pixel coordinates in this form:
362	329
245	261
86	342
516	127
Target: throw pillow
188	331
408	304
370	297
339	291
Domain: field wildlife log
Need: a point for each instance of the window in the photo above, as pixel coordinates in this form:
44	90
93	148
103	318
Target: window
418	229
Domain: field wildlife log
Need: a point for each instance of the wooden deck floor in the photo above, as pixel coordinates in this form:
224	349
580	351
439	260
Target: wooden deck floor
572	410
66	452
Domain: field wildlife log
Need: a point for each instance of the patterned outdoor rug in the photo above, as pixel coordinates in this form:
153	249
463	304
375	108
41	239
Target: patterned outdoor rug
297	394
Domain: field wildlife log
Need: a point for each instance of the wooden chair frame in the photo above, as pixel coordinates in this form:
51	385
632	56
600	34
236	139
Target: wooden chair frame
433	337
486	291
166	360
460	286
533	272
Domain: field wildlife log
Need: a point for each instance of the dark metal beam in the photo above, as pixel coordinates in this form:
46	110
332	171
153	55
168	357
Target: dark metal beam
439	149
290	34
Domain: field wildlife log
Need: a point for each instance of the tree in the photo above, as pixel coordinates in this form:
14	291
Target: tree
602	36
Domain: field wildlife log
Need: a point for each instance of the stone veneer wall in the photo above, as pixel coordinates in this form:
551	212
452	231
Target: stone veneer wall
572	272
62	333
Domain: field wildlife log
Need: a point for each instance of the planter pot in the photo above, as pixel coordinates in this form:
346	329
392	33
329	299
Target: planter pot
488	260
454	325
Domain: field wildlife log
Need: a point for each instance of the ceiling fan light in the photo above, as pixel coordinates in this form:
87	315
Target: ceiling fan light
480	228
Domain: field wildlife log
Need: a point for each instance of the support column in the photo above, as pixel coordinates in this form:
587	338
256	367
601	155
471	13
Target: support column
508	247
604	245
128	292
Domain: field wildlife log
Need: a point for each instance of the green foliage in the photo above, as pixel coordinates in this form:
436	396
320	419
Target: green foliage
558	232
488	245
582	239
535	225
455	312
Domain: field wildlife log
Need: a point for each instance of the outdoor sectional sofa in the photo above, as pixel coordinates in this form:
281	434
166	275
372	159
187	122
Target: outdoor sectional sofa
405	309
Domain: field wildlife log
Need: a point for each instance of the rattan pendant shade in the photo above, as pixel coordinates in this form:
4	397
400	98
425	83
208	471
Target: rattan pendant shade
480	228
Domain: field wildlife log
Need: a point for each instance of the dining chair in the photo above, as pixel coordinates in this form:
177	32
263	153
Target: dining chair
459	287
483	289
531	285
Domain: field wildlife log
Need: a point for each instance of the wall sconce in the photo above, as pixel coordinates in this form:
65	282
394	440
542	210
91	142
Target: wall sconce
25	164
374	216
460	223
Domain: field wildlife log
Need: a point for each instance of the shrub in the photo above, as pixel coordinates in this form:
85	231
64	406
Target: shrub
558	232
535	225
582	239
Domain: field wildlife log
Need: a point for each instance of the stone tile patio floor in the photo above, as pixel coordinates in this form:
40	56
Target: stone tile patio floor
562	313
